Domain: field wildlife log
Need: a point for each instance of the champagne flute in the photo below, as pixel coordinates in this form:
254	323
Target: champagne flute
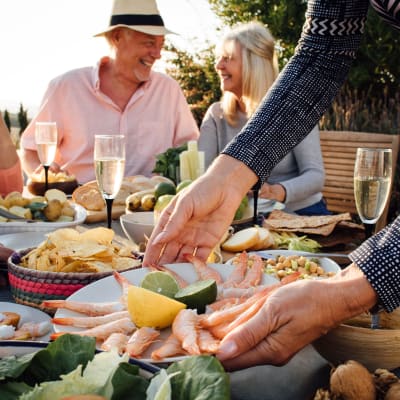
46	143
372	182
109	160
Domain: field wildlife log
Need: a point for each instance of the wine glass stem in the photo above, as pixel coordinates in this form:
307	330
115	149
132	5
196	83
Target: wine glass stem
109	203
369	230
46	177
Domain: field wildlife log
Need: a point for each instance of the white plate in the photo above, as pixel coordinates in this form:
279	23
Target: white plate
21	241
28	314
41	226
326	263
107	289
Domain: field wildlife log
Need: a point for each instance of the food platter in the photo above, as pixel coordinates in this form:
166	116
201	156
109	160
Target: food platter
28	314
41	226
107	289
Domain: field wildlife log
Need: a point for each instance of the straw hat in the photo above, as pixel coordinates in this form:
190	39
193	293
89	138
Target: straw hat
139	15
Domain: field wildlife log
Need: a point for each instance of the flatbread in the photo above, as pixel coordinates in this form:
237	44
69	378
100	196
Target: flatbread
323	225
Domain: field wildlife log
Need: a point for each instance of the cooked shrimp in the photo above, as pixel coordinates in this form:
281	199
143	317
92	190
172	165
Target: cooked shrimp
171	347
238	273
221	304
185	328
102	332
221	331
244	293
92	309
207	342
203	270
141	340
116	341
28	330
254	274
229	314
241	293
181	282
124	283
90	322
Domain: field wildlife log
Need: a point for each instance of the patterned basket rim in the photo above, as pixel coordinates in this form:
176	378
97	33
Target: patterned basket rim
17	269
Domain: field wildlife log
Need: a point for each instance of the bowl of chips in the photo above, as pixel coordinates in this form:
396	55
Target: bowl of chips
64	262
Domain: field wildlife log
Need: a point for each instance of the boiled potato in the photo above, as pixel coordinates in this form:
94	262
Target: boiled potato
21	211
53	210
55	194
68	211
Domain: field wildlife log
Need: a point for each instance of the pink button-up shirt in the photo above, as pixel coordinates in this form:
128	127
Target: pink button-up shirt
156	118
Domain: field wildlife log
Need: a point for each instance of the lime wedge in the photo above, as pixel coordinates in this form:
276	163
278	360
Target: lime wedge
161	283
198	294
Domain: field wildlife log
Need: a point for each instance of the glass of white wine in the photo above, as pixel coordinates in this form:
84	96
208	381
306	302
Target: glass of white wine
46	144
109	162
372	182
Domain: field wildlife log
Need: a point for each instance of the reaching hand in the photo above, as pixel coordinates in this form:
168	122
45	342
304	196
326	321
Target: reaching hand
293	316
198	217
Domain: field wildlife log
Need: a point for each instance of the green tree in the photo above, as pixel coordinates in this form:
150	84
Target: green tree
197	77
22	118
7	120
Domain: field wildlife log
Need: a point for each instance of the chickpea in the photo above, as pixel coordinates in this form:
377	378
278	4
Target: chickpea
301	261
320	270
313	267
287	263
281	259
271	261
279	266
281	274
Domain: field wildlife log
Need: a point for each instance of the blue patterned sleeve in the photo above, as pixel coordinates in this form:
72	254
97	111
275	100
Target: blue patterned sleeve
306	87
379	259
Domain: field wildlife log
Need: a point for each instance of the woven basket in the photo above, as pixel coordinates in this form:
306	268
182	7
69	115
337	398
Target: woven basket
31	287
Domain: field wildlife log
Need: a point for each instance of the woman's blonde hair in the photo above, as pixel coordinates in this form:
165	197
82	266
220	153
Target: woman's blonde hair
259	67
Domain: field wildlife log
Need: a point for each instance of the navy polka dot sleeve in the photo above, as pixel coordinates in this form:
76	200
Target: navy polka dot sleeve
304	90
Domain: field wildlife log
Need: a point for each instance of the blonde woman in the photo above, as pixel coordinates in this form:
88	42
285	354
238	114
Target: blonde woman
247	66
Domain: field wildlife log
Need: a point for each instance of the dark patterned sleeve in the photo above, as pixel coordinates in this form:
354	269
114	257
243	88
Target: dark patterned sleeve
306	87
379	259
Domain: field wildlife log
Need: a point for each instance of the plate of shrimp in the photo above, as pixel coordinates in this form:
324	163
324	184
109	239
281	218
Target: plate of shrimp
99	309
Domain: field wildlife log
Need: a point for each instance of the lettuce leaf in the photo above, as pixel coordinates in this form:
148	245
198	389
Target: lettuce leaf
200	378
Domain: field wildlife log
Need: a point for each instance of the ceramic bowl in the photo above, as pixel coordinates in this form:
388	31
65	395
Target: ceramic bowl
138	225
355	340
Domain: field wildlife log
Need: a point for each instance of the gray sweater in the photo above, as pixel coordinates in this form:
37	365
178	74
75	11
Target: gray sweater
301	172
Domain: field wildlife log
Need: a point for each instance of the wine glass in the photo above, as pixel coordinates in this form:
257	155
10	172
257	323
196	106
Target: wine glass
372	182
46	143
109	160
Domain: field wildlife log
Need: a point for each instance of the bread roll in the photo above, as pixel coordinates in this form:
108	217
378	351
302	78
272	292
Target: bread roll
266	240
242	240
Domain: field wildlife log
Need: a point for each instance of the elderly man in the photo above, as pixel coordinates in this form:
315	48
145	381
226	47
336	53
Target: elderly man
121	95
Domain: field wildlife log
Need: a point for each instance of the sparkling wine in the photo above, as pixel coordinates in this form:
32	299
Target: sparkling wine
109	174
46	152
371	195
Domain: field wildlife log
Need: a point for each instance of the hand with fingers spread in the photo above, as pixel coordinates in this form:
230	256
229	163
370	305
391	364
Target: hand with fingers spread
199	216
295	315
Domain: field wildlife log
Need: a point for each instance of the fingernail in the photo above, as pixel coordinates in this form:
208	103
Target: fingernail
227	350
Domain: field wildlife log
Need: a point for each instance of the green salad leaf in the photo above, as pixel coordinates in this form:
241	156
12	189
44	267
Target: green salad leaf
200	378
70	366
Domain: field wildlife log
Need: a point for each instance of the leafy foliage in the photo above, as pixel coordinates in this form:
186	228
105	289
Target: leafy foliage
197	77
22	119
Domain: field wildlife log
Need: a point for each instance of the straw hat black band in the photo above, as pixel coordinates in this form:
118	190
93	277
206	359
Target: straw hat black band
136	19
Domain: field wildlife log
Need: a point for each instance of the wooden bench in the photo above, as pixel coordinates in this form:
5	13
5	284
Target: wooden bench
339	151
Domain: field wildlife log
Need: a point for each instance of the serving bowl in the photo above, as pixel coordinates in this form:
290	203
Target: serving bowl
138	225
355	340
42	226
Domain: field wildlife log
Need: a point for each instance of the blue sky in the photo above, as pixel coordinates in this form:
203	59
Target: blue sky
44	38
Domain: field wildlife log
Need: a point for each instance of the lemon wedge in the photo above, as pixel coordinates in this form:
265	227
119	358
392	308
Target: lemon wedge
151	309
